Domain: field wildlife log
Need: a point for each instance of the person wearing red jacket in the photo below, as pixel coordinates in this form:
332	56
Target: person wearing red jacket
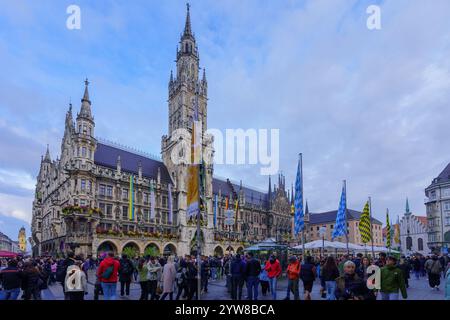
107	274
273	269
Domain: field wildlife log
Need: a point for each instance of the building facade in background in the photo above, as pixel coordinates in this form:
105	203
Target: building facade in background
438	211
413	233
22	237
82	199
328	220
6	244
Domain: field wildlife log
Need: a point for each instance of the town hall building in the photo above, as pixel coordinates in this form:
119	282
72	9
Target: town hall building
82	198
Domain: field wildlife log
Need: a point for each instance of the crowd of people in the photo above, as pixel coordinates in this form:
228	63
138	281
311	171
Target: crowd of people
159	278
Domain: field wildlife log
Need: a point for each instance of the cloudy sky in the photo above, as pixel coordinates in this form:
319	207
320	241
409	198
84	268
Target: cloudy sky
368	106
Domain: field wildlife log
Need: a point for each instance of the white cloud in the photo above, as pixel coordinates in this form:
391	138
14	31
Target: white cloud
17	179
16	207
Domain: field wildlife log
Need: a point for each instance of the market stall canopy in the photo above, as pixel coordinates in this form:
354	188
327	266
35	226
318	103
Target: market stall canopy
318	244
7	254
267	244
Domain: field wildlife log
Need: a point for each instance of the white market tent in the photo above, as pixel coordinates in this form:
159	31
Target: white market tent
268	244
318	244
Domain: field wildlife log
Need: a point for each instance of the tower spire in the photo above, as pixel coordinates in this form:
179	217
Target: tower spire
85	111
47	155
86	92
187	26
407	207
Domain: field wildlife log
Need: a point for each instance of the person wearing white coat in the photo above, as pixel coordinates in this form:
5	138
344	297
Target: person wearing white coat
75	282
168	278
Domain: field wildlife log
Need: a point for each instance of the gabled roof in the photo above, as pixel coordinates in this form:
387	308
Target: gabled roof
422	220
106	155
330	216
444	176
252	196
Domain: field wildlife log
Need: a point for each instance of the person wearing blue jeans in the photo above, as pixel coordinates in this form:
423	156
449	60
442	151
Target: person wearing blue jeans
109	290
273	287
11	294
330	273
11	279
389	296
252	270
330	287
108	275
252	288
273	269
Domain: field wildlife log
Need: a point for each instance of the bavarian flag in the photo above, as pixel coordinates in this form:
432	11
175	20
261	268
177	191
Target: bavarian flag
397	232
365	225
388	230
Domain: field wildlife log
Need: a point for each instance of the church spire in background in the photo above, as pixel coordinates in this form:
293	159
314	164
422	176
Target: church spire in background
47	155
85	111
187	27
407	207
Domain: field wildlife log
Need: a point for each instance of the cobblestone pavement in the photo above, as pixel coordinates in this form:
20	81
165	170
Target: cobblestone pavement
418	290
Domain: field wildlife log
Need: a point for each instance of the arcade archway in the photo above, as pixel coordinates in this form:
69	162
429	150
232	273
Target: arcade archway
152	250
131	249
170	250
218	251
105	247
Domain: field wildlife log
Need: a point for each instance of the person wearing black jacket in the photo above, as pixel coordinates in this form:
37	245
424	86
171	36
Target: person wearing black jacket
126	270
308	275
329	274
32	282
11	280
251	272
61	271
191	277
415	263
237	269
406	269
204	273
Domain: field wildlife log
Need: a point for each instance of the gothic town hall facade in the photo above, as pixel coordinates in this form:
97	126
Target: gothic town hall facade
81	199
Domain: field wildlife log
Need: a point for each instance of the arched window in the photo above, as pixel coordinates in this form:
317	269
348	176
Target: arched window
420	244
408	243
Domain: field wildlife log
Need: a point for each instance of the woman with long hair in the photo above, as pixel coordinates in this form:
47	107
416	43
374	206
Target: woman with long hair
330	272
32	281
362	269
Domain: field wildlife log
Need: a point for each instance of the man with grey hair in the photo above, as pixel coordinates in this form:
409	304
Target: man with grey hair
351	287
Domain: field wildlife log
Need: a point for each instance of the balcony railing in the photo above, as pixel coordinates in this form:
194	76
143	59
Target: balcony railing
428	200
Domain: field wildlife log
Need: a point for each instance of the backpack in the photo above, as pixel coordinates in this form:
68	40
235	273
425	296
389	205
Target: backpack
108	272
435	267
125	267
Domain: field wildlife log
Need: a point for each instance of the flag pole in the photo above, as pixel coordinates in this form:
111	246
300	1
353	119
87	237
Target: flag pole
345	215
301	183
199	284
371	231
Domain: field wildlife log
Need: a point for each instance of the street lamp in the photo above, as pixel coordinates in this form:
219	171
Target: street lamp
322	232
